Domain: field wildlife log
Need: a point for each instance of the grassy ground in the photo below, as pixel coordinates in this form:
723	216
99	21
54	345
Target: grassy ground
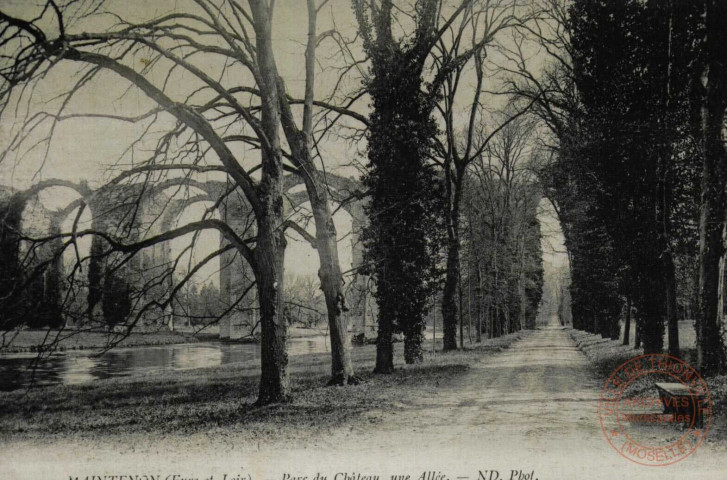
221	398
687	334
607	355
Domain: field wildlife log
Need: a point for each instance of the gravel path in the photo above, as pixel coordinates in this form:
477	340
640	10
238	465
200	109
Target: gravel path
531	407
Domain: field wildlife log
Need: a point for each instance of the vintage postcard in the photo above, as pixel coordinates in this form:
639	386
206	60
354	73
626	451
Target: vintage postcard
363	239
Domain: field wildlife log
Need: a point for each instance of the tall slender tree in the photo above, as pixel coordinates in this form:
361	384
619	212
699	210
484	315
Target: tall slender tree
710	105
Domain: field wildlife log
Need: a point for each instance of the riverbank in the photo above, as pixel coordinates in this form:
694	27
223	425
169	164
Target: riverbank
30	341
221	399
26	341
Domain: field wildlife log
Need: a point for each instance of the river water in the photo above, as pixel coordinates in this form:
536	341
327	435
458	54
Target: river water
82	367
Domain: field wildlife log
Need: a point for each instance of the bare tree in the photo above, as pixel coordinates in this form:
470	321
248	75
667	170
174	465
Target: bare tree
301	145
231	96
501	200
485	23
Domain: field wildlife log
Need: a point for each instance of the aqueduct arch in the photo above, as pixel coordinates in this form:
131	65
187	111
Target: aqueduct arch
32	284
133	211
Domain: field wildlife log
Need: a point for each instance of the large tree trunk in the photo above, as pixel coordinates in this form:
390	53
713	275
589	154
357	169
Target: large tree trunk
449	296
478	299
672	320
637	334
461	311
710	353
413	347
522	317
450	310
627	322
469	300
269	258
270	245
332	286
499	320
713	101
301	144
384	345
326	243
651	314
720	287
615	332
664	208
402	209
494	300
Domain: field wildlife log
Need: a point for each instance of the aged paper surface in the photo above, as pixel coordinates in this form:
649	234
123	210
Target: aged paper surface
528	407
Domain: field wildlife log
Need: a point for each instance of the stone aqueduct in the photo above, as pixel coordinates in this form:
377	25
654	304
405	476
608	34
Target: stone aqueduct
135	211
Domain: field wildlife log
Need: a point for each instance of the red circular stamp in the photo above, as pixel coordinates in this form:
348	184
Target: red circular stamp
655	410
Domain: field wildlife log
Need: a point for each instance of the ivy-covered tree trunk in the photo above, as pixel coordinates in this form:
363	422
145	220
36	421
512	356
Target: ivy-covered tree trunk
405	198
413	346
450	310
384	343
399	183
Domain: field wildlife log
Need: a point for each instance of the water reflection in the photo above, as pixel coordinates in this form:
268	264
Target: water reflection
77	368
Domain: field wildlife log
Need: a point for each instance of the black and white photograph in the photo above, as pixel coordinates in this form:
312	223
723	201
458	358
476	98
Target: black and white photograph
363	239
